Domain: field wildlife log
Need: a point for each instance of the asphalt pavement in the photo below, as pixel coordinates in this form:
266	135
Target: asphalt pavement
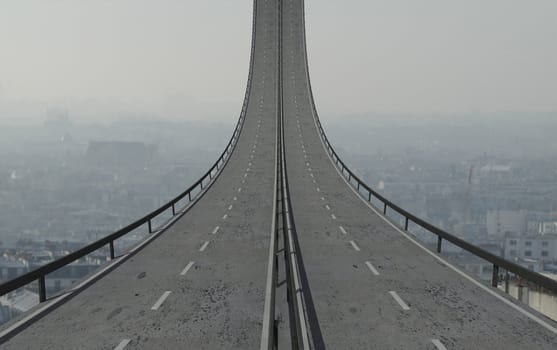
372	287
201	283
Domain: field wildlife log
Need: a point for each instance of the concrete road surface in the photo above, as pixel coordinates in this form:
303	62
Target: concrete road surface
371	286
201	284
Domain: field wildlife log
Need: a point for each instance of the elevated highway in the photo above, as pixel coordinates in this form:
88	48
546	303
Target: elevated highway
282	251
218	302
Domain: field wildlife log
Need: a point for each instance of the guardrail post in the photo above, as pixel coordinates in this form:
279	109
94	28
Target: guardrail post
507	277
406	225
149	224
358	186
173	210
111	245
189	195
439	241
495	276
385	209
42	289
369	196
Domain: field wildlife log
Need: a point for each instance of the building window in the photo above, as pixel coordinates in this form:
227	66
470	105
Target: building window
528	243
545	244
512	242
544	253
513	252
527	253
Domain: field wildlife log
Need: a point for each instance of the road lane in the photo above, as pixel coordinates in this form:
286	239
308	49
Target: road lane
220	303
355	307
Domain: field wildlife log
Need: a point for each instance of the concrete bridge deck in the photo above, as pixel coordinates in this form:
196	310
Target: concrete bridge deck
201	284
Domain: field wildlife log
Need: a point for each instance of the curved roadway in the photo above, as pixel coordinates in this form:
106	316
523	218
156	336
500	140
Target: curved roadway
372	287
218	302
201	284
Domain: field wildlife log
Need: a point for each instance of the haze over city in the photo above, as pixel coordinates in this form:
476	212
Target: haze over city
181	60
140	150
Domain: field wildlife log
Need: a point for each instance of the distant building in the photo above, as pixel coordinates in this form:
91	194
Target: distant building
531	264
542	248
16	303
11	268
504	222
476	266
20	301
547	227
4	314
65	277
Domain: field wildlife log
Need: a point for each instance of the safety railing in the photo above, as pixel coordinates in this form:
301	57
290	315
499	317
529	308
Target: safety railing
497	261
194	191
296	290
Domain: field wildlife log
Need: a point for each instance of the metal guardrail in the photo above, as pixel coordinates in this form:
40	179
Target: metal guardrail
283	228
497	261
296	290
40	273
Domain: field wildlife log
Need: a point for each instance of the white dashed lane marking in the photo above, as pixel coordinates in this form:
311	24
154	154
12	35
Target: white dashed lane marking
122	344
355	246
372	268
333	216
342	230
204	246
215	230
327	207
438	344
224	216
187	268
399	300
161	300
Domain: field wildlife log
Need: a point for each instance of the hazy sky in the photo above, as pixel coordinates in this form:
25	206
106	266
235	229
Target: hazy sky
179	59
